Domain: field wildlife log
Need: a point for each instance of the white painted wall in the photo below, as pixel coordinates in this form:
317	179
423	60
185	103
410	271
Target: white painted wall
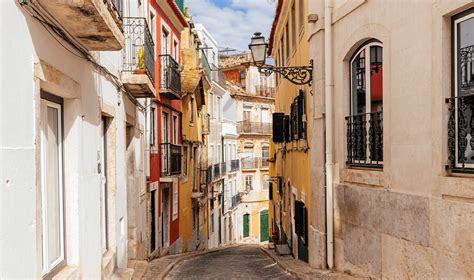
22	47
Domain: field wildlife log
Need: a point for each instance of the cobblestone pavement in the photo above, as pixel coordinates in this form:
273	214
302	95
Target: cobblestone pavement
240	262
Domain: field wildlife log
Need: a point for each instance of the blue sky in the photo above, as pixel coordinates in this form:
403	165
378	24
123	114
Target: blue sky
232	22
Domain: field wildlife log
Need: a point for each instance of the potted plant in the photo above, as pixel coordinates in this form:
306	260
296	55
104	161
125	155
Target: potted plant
141	61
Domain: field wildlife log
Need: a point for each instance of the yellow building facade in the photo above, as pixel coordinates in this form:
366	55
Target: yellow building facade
195	84
290	166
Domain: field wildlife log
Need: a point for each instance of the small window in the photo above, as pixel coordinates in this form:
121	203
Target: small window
293	27
287	40
191	110
265	182
185	161
248	183
153	126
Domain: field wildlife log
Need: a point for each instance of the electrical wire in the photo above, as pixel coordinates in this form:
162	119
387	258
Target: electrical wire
32	9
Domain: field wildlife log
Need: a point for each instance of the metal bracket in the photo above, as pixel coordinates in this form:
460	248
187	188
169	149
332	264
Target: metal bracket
299	75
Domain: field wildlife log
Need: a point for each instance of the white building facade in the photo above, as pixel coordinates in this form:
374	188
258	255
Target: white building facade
75	139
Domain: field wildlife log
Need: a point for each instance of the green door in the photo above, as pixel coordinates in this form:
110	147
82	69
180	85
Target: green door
264	225
246	225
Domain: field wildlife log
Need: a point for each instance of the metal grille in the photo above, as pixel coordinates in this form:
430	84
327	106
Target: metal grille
365	140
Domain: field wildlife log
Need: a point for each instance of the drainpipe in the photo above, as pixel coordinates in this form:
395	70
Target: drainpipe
329	83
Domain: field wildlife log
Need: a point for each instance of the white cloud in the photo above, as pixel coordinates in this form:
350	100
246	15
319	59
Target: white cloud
232	26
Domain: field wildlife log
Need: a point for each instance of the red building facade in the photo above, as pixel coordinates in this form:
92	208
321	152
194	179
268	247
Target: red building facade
166	22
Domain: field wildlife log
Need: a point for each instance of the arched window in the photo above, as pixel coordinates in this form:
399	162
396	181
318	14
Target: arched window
364	125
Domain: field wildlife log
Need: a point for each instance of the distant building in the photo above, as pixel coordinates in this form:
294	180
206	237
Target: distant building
253	94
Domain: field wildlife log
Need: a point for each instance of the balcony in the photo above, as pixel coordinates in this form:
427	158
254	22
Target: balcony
264	91
236	199
264	163
216	171
170	77
95	24
250	163
461	132
365	140
247	127
234	165
138	70
170	159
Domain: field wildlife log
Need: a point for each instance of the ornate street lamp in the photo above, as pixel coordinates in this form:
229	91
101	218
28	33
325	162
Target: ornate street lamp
299	75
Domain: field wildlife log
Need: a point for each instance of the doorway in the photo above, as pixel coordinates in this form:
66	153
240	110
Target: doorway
264	225
153	221
165	204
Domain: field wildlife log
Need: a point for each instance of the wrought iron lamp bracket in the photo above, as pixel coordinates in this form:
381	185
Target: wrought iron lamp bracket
299	75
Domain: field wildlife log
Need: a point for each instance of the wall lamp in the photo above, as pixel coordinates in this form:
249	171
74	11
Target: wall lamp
298	75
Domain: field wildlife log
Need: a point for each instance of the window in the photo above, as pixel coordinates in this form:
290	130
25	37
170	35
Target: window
153	25
175	50
175	129
265	152
265	182
165	128
364	125
191	110
248	183
211	105
212	223
52	185
287	40
218	109
185	161
301	15
293	27
175	200
461	119
282	54
152	126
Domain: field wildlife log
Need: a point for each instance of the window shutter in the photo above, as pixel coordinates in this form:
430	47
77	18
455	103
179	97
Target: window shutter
287	129
270	191
301	108
278	127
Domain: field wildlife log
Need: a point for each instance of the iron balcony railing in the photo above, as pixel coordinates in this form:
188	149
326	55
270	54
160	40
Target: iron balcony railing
254	127
234	165
264	162
170	79
461	133
217	170
365	140
236	199
138	55
223	168
249	163
170	159
116	7
265	91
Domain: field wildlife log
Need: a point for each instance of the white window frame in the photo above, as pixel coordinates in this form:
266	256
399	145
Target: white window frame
265	182
368	92
47	268
251	182
456	93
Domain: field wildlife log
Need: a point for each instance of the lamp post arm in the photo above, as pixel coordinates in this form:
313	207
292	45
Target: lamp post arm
299	75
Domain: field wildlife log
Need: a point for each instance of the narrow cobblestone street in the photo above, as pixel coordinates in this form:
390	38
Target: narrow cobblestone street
241	262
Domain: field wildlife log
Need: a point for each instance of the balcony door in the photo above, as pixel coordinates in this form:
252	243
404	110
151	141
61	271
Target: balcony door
52	185
247	120
165	149
165	50
365	122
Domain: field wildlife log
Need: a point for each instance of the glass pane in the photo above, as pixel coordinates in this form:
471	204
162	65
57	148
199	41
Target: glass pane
358	84
376	79
466	57
53	184
465	104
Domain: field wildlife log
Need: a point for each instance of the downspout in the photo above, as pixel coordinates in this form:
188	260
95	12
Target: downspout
329	84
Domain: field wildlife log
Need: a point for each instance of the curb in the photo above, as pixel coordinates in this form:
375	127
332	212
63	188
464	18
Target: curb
286	269
178	261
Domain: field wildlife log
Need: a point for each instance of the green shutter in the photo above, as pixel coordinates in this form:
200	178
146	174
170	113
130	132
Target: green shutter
264	225
246	225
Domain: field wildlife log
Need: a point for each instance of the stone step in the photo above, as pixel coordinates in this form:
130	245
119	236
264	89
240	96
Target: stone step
283	249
